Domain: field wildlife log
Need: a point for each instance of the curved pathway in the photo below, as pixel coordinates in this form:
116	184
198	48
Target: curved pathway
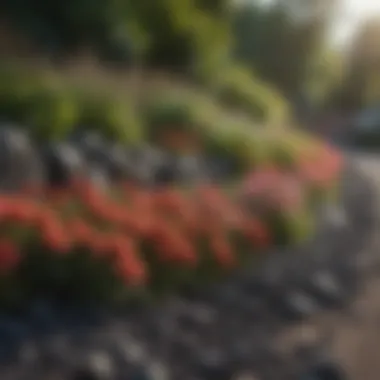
356	340
352	337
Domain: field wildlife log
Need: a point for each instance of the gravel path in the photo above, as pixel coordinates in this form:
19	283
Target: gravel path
251	326
350	337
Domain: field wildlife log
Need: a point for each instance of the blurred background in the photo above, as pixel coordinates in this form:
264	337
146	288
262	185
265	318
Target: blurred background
319	56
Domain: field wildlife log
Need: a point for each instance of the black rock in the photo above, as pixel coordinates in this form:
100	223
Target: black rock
56	352
12	335
12	329
42	316
166	174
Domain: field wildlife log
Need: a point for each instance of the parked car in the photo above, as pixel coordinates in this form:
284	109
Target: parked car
364	129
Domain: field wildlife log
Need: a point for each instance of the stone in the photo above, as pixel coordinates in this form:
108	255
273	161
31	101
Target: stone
336	216
142	164
64	164
213	365
189	168
98	177
20	163
56	352
150	371
42	316
296	305
324	371
196	315
325	288
166	174
97	366
131	351
245	376
28	354
92	145
117	164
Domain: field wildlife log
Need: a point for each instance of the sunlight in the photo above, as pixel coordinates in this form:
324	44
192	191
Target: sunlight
351	14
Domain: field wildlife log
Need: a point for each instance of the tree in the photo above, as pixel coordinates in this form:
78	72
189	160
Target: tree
281	41
361	83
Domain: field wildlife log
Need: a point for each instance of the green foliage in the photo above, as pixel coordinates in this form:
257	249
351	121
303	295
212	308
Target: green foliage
113	117
279	43
167	113
237	87
52	114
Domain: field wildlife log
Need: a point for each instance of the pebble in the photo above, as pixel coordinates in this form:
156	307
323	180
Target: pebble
325	288
297	305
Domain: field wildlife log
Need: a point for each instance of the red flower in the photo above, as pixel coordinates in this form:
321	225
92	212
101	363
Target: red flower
81	232
256	233
222	251
128	263
172	246
53	234
9	256
261	180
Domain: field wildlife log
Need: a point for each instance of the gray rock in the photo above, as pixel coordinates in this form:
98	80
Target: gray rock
190	169
325	288
214	365
64	164
28	354
296	305
131	351
142	163
97	365
20	163
98	177
197	315
93	147
323	371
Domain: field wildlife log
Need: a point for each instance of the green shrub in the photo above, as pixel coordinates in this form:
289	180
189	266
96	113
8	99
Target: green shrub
238	88
113	117
165	114
52	114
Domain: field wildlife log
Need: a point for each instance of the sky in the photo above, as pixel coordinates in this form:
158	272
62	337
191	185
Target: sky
352	13
349	16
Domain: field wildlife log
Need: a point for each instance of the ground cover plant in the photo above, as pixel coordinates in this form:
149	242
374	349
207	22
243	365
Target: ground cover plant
81	242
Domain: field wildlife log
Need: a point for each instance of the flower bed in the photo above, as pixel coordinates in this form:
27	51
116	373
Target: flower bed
81	243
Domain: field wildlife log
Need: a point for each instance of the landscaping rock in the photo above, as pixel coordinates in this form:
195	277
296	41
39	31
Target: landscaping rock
325	288
93	147
20	164
64	164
